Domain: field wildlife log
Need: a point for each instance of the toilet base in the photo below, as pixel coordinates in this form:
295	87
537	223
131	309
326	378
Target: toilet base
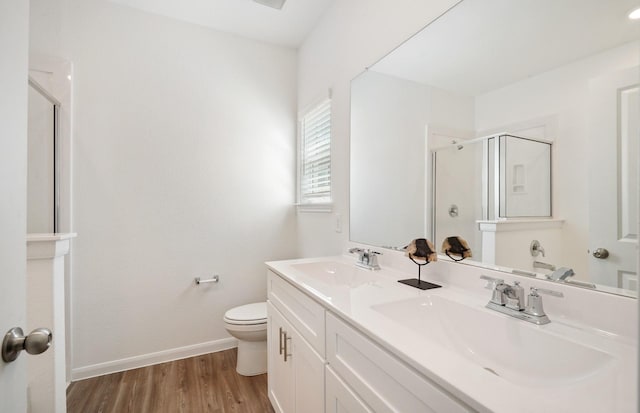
252	358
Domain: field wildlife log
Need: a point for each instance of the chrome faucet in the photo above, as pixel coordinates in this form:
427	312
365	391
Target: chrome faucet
561	274
367	258
509	300
544	265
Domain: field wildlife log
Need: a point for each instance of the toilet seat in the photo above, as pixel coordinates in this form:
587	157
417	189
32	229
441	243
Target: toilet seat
249	314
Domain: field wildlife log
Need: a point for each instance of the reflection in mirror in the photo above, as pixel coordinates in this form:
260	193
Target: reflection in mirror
41	164
465	176
532	69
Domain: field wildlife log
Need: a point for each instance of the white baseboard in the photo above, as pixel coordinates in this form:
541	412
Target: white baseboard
152	358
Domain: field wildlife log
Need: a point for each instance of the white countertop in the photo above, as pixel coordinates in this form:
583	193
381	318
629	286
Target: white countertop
611	389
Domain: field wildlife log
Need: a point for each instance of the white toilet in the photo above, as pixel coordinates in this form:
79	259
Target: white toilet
248	323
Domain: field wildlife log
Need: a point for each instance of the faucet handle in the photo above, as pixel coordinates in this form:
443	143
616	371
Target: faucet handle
534	304
536	248
492	283
535	291
356	249
498	287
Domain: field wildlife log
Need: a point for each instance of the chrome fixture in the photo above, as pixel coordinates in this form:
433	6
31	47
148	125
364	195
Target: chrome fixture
544	265
561	274
581	284
213	279
366	258
601	253
38	341
535	248
525	273
509	299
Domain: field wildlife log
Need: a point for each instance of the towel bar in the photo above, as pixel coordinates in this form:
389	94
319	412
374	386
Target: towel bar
213	279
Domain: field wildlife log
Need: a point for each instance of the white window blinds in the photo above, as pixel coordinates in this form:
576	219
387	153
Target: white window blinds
315	155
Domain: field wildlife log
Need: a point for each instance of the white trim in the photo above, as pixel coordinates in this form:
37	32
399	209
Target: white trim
43	91
519	224
152	358
60	87
315	207
41	248
60	236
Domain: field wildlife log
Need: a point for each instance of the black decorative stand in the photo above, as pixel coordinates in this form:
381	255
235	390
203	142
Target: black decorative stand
417	282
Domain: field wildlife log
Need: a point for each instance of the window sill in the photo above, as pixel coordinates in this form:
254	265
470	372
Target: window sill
323	208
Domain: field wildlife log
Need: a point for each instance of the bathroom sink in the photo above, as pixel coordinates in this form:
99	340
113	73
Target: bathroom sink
509	348
335	273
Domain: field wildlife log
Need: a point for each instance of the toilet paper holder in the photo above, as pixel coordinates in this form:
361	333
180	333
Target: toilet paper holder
213	279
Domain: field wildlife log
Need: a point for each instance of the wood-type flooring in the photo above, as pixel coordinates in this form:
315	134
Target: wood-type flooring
203	384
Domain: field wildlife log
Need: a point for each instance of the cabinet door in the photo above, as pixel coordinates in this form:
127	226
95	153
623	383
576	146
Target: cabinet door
281	373
340	398
309	375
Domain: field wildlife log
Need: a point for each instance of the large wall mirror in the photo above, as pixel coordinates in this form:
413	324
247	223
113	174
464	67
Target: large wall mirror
554	83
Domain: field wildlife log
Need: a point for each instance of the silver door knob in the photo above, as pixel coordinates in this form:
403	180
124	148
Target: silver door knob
601	253
38	341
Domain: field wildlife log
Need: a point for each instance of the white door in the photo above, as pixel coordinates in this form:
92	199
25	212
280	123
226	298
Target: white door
14	26
614	132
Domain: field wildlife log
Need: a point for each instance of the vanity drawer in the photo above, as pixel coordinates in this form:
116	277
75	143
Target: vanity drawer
302	312
385	383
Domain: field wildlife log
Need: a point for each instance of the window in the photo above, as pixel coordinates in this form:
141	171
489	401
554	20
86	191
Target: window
314	182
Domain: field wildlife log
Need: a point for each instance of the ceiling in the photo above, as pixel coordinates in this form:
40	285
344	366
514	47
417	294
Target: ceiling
287	27
482	45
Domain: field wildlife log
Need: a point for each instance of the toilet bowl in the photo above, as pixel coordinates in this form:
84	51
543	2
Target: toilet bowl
248	323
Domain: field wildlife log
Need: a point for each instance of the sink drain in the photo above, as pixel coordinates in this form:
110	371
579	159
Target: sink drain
491	371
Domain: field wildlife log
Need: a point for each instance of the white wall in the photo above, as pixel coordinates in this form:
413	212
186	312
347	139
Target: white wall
14	30
352	35
184	166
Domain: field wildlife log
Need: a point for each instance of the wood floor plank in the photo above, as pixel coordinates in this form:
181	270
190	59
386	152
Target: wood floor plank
204	369
203	384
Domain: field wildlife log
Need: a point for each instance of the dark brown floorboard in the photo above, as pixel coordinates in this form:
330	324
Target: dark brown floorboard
203	384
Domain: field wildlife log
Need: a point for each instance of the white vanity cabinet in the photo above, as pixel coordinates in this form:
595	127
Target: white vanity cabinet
319	363
340	398
295	349
370	373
